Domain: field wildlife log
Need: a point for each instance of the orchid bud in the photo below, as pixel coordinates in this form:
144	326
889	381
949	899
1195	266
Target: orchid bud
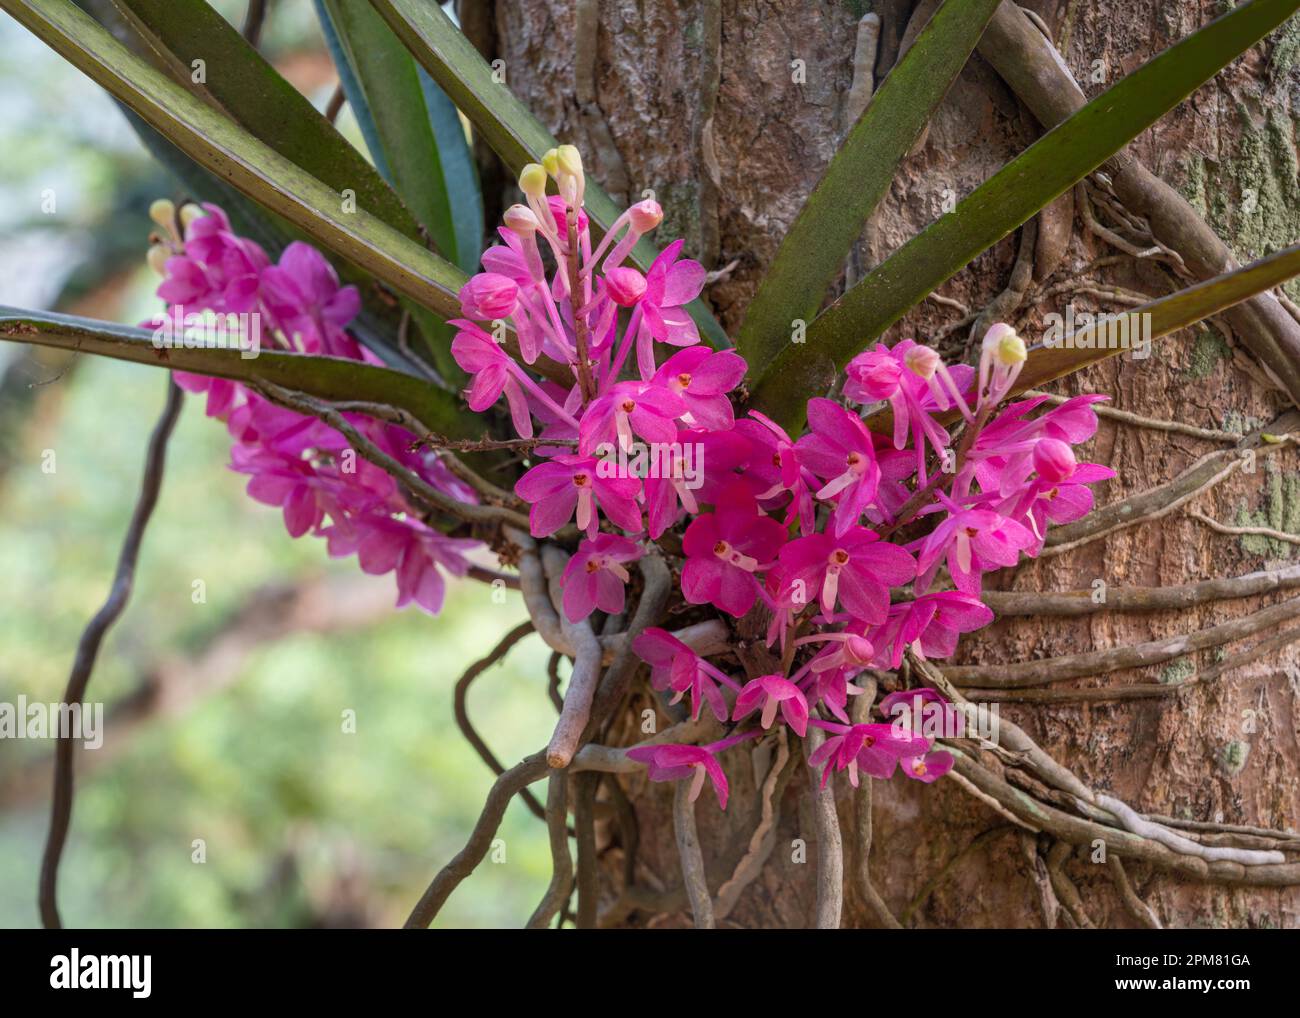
569	160
551	161
645	215
163	212
859	649
521	219
532	180
569	174
1004	345
489	296
922	360
1054	460
191	212
625	285
157	258
872	376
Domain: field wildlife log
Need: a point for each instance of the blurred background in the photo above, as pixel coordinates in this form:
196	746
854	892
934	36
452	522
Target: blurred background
225	717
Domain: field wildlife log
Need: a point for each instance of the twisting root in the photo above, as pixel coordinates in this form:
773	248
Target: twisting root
830	849
1100	662
1223	528
1066	893
586	670
461	708
1138	908
1141	599
557	829
88	649
862	832
1141	826
688	847
520	776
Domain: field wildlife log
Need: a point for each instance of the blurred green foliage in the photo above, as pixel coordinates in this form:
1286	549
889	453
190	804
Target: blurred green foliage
303	823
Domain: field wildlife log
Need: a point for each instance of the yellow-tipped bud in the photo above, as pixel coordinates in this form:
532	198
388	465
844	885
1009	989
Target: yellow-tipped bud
157	258
1011	350
569	160
163	212
191	212
551	161
532	180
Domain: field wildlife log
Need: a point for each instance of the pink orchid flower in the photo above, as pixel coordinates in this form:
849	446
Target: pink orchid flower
871	748
630	408
725	549
931	624
559	487
673	762
596	576
856	568
775	467
489	367
973	541
841	451
929	768
702	378
670	285
770	692
302	292
675	666
698	466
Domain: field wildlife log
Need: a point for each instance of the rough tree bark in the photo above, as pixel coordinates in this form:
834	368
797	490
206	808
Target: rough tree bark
728	110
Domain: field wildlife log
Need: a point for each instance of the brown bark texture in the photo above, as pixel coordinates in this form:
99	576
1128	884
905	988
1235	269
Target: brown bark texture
729	111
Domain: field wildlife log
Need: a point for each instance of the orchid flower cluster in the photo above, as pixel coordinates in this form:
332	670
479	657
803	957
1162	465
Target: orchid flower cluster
644	437
632	433
294	461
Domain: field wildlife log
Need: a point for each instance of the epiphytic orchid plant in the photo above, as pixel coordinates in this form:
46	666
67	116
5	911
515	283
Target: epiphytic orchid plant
774	544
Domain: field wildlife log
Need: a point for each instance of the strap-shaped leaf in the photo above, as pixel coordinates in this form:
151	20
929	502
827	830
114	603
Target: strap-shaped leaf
254	94
329	378
391	82
1047	168
214	141
1148	322
813	250
504	122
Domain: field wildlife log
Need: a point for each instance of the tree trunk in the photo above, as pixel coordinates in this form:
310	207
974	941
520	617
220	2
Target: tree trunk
728	111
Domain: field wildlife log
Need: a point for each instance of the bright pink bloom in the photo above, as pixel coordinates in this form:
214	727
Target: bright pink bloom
218	271
675	666
929	768
596	576
873	748
725	549
702	378
692	471
841	451
774	465
302	292
931	624
770	692
630	408
489	367
625	286
672	763
973	541
856	568
564	485
670	285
